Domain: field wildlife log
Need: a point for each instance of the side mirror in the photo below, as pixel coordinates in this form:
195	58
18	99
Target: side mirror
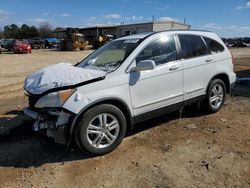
143	66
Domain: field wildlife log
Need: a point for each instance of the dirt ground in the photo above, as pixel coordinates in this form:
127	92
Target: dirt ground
194	150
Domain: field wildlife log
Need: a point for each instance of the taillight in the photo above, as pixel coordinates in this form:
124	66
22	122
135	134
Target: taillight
233	59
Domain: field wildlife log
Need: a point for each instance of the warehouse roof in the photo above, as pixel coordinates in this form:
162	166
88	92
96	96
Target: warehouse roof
114	26
156	22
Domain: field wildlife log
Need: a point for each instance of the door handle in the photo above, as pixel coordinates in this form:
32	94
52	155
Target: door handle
209	60
173	68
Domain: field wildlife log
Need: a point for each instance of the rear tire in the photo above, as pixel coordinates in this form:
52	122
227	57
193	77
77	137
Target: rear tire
215	97
100	130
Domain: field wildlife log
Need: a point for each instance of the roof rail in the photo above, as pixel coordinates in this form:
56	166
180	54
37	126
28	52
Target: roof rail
183	30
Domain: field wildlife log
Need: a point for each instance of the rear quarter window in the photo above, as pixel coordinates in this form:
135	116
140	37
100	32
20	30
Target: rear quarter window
192	46
214	46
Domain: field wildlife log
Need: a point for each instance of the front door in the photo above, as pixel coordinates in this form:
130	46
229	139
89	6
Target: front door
154	89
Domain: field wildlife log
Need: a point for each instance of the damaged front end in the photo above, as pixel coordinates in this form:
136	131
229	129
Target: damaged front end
54	120
48	114
48	89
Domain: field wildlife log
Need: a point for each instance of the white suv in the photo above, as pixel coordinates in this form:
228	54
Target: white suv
127	81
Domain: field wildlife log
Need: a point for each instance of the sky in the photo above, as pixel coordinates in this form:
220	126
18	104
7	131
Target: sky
228	18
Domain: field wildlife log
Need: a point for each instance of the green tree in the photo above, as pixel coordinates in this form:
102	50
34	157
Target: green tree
24	32
11	31
14	30
34	32
7	31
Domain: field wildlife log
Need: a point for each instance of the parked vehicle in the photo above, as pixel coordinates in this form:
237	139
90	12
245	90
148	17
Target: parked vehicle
37	43
21	47
73	40
1	44
102	40
129	80
51	43
8	44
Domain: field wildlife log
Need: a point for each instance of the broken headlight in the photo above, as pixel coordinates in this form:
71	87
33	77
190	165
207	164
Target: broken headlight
55	99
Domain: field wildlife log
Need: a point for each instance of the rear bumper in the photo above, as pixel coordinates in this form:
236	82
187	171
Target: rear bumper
56	122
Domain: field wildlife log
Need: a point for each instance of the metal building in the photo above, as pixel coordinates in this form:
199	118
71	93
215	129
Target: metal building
91	33
124	30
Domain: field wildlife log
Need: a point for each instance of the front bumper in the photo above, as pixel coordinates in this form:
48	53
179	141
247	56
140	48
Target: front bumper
232	85
55	121
31	114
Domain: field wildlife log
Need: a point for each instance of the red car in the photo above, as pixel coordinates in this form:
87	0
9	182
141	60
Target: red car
21	47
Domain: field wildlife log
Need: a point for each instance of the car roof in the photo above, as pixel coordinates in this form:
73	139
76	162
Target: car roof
145	35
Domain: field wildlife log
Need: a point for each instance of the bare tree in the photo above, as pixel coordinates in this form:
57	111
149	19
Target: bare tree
1	34
45	29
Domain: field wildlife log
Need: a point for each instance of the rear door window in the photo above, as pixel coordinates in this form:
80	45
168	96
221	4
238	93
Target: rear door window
161	51
214	46
192	46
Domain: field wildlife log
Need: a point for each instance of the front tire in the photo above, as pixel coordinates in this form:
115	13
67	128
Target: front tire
101	129
215	97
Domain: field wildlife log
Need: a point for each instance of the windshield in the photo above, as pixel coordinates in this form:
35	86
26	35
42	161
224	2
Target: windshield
111	56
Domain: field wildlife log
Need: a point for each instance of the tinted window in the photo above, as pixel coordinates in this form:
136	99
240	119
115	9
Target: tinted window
213	45
192	46
161	51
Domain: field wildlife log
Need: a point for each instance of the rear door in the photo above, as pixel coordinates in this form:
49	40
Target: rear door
198	65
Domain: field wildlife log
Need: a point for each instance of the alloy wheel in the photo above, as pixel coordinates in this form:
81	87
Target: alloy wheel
216	96
103	130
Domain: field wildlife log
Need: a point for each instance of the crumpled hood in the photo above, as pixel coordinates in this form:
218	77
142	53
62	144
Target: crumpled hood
59	75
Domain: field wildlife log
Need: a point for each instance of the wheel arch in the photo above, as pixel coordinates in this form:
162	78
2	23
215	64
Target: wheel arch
224	77
119	103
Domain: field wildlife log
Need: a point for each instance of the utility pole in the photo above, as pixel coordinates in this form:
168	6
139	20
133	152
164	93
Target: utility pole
153	18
